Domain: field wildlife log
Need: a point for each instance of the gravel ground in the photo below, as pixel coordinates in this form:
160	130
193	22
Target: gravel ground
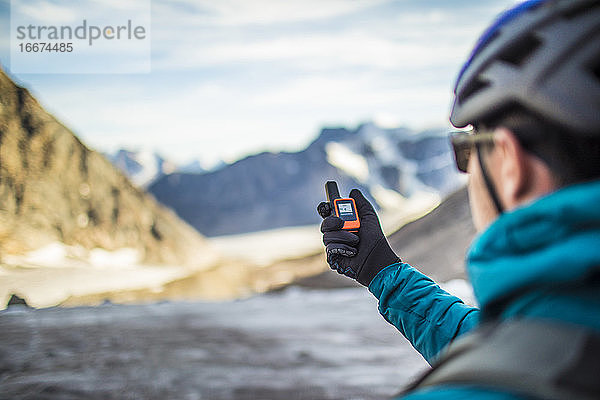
295	344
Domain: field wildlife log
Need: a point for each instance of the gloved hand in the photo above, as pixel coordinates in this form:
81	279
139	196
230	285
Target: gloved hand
358	255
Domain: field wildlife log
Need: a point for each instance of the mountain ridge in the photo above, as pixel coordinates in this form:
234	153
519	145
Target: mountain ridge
53	188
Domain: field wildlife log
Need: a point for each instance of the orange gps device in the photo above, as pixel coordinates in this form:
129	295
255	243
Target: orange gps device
344	208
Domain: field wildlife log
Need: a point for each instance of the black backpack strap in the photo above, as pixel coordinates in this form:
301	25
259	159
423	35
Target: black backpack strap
530	357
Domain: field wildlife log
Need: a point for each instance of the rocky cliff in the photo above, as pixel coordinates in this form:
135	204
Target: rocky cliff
54	188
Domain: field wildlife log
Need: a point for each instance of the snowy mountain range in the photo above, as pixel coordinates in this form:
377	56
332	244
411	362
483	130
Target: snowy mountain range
272	190
143	167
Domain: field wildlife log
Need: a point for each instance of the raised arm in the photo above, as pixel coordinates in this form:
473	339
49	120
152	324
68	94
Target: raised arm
427	315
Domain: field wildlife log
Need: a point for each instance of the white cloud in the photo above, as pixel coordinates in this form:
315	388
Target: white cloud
407	40
317	51
243	12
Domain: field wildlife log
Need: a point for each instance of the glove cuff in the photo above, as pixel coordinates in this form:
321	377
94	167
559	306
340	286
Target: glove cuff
381	256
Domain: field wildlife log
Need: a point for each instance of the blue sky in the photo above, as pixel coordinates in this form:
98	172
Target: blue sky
234	77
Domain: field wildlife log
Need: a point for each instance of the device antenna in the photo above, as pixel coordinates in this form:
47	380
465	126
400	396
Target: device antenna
331	188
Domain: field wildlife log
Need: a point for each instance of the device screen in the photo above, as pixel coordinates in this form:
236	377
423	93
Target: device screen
346	210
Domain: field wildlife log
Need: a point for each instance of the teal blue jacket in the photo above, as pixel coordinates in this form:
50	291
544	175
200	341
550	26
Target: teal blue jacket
539	261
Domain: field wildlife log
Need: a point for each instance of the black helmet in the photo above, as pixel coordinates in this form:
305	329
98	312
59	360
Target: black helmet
542	56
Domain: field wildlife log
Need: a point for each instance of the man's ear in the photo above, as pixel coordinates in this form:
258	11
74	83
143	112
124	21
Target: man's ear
514	172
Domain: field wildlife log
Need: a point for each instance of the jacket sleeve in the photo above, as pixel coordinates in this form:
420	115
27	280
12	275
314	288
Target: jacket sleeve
429	317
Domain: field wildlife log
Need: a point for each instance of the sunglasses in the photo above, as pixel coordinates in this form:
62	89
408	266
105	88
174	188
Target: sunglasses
463	142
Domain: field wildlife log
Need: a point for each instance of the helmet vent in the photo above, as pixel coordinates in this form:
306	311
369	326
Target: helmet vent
580	9
517	53
476	86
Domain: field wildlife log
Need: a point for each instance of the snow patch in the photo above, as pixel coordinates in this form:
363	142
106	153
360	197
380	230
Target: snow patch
387	199
48	256
142	166
347	161
51	274
59	255
266	247
106	259
385	151
149	167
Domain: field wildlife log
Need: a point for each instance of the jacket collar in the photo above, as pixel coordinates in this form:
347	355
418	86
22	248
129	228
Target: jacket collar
554	240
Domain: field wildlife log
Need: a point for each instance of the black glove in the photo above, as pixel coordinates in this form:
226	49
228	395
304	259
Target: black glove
358	255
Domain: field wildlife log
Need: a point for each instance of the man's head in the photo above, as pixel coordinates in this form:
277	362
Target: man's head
532	87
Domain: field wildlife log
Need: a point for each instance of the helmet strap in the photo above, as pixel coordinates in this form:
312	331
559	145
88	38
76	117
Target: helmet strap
488	182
